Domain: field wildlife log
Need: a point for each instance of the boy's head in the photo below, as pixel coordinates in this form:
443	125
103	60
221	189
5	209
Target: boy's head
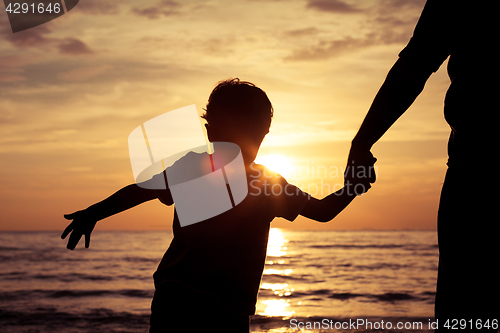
238	112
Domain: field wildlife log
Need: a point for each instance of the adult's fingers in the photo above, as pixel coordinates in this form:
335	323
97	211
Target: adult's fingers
362	188
371	171
372	175
359	156
369	168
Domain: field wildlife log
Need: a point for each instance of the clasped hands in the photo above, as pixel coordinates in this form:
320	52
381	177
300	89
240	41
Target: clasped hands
360	171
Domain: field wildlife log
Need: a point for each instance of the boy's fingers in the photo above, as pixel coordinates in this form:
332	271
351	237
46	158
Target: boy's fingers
74	238
87	240
67	230
69	216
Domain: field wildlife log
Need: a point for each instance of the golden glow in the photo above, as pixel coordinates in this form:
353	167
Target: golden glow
276	243
279	289
275	262
277	308
278	271
276	248
274	286
277	163
317	111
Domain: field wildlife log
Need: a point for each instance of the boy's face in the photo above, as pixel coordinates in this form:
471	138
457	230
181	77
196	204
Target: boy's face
248	139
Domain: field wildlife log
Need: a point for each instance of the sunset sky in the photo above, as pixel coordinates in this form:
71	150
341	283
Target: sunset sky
72	90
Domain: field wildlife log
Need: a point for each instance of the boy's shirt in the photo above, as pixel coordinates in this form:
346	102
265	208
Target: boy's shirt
225	255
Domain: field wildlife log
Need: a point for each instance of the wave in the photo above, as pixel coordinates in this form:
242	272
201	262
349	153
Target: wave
68	277
382	265
385	297
388	297
51	294
267	324
9	248
282	277
345	296
141	260
105	320
53	320
352	246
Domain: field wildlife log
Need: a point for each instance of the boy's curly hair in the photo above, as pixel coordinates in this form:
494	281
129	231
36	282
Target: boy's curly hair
238	102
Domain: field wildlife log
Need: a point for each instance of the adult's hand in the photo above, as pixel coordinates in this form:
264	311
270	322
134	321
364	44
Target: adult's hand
359	172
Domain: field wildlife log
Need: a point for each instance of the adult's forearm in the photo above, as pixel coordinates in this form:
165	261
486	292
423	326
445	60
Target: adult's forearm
403	84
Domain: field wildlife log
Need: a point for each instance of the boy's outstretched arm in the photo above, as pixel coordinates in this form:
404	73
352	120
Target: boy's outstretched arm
324	210
85	220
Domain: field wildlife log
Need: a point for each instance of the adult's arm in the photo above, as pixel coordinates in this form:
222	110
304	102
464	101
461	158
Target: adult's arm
429	47
402	86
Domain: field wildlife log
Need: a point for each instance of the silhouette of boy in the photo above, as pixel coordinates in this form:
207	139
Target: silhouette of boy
211	272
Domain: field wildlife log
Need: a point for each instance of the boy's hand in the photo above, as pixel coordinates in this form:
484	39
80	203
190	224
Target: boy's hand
360	172
81	225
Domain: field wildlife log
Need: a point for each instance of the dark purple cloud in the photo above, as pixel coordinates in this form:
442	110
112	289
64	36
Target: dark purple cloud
335	6
325	49
164	8
73	46
302	32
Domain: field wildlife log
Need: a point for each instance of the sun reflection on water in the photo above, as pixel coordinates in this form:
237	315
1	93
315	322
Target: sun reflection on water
276	243
277	307
280	289
276	248
278	271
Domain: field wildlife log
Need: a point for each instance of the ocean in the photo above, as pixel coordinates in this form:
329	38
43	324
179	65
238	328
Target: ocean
314	281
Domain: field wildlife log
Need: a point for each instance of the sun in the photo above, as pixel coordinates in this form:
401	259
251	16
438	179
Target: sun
277	163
